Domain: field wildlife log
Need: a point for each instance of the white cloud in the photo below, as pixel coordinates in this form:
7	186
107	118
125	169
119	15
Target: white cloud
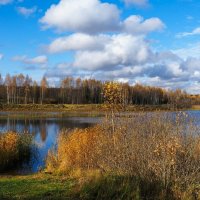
134	25
108	47
120	49
193	65
140	3
82	15
40	60
119	56
60	70
196	31
1	56
98	17
137	25
193	87
4	2
26	11
191	50
77	41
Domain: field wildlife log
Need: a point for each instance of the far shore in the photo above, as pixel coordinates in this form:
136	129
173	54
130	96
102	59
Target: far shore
85	109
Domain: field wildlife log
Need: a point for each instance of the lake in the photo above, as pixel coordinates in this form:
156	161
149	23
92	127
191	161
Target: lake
45	130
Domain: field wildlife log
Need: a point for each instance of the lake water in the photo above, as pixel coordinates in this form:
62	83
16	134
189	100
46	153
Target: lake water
46	129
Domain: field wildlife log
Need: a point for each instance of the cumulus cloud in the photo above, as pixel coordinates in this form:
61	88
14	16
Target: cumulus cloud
61	70
98	17
120	49
140	3
77	41
134	25
121	56
137	25
82	16
26	11
4	2
39	60
196	31
109	47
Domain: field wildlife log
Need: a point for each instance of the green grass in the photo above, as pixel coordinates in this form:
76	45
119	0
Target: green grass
86	187
35	187
56	187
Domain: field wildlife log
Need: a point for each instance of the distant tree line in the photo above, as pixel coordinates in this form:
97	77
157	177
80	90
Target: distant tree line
20	89
195	98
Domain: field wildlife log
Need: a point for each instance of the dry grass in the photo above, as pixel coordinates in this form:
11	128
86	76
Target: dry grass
157	149
14	149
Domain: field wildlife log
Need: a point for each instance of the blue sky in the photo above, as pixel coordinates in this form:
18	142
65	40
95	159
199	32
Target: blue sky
152	42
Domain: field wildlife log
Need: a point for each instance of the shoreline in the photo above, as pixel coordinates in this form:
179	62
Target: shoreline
85	108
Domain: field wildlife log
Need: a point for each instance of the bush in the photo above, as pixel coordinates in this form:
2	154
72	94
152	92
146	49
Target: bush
161	151
14	149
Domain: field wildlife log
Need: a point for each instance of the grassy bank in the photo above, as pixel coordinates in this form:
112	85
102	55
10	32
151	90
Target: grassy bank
34	187
55	187
77	108
88	186
51	107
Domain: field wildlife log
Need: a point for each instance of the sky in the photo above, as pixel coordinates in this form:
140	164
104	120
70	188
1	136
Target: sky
151	42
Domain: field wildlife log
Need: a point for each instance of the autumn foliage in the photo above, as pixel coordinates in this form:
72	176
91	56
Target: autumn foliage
20	89
14	149
155	148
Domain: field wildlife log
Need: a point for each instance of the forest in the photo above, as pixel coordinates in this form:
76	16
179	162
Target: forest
21	89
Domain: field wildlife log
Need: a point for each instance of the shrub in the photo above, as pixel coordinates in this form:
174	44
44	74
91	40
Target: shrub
14	149
160	150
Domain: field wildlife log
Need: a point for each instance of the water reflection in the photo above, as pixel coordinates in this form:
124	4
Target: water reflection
44	131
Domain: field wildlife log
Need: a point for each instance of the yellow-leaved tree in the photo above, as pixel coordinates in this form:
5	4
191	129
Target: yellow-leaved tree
113	101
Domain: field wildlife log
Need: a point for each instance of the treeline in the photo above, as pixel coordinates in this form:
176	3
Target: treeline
20	89
195	99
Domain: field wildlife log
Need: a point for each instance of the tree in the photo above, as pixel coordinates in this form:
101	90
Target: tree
27	84
20	85
112	99
34	90
8	83
44	85
1	80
